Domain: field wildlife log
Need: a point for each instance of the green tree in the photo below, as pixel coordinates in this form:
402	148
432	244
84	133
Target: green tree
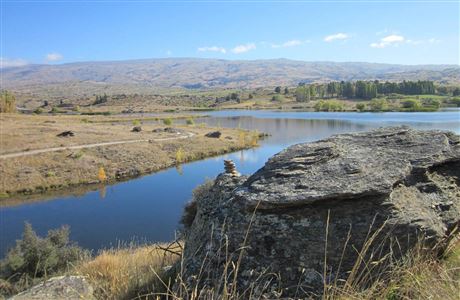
286	90
278	89
302	94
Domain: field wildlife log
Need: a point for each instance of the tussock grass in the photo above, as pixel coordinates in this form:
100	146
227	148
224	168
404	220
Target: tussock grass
132	272
416	276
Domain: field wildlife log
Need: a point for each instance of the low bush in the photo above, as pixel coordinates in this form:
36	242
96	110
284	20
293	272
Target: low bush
361	106
35	258
329	105
167	121
411	104
456	101
378	105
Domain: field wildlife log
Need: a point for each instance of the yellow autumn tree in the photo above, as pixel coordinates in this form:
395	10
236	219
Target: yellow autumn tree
180	156
7	102
101	174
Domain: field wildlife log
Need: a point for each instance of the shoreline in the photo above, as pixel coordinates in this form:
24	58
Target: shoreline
51	193
36	161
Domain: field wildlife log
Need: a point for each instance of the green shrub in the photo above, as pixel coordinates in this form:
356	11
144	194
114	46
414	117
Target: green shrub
277	98
167	121
38	111
411	104
361	106
136	122
378	105
55	110
34	257
329	105
432	103
456	101
190	121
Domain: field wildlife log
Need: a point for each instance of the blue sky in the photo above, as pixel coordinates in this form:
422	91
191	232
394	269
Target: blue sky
406	32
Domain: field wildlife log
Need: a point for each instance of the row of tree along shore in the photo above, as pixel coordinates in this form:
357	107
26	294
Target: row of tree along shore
367	89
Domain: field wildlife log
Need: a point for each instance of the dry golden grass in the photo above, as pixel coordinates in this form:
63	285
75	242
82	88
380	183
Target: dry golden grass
417	276
131	272
138	273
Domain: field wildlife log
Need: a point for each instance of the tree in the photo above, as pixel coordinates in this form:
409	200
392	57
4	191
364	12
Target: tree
278	89
456	92
312	89
302	94
7	102
286	91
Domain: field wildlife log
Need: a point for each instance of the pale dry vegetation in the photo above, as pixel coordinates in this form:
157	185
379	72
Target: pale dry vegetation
131	272
147	273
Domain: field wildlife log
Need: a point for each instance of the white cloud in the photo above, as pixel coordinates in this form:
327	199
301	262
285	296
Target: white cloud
433	41
421	42
291	43
337	36
244	48
389	40
15	62
212	49
53	57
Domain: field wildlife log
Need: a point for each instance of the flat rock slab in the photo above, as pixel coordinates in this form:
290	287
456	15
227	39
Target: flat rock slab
59	288
347	166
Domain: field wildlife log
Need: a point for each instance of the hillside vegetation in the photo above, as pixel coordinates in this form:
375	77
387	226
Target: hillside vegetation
153	75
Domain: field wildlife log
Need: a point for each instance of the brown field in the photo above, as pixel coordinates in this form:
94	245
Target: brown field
146	152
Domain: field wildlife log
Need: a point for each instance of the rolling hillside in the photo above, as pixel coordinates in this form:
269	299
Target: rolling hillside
153	75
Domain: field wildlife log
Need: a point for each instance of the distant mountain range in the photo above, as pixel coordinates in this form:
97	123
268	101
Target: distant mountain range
152	75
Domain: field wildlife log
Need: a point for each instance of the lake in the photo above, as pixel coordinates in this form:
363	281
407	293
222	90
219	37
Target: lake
148	209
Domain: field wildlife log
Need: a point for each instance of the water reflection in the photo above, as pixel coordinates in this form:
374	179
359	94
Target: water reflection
148	208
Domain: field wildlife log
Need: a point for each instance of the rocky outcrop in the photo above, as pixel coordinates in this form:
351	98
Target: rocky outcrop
57	288
213	134
301	220
67	133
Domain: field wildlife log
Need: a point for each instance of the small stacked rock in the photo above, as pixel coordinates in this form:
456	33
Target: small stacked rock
230	167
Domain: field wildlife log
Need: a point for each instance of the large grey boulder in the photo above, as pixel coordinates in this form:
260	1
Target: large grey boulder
301	220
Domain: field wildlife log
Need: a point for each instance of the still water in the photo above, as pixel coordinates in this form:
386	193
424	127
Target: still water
149	208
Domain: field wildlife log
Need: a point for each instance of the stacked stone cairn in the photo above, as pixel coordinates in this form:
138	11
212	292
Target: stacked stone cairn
230	168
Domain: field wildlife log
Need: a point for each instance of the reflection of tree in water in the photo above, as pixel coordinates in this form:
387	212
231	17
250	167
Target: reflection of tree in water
179	169
102	192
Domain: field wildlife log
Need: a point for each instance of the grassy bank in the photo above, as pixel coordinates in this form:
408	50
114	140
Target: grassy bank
150	271
147	151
